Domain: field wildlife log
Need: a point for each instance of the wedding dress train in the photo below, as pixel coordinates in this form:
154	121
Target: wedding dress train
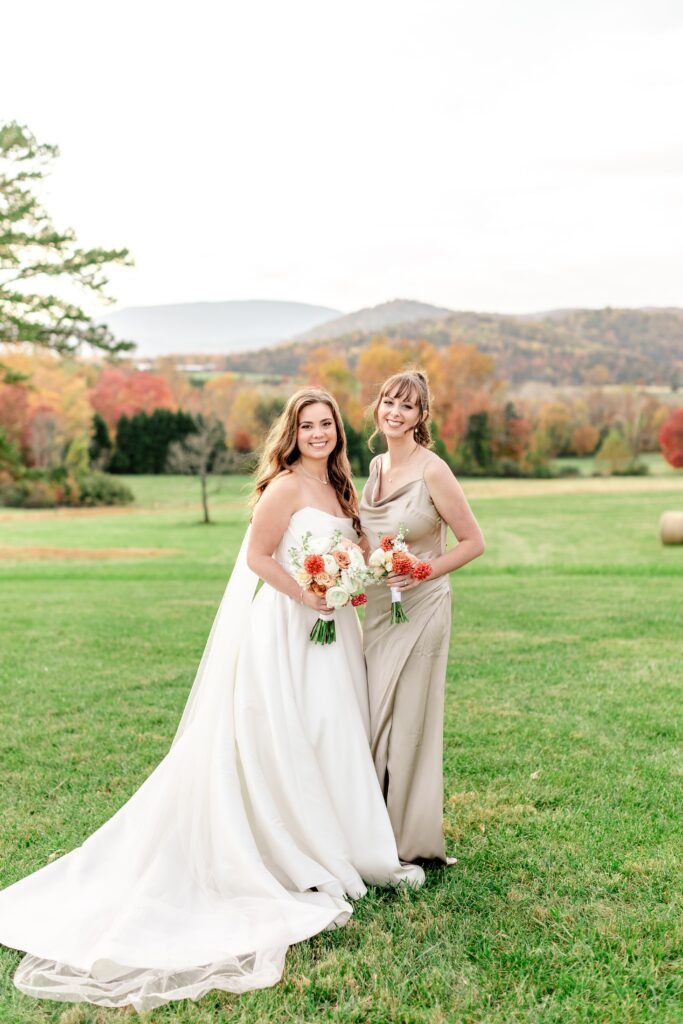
250	835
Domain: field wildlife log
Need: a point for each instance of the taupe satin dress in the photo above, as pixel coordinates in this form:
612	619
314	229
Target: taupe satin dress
406	666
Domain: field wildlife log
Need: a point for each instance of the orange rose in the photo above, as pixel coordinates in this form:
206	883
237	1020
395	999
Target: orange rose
342	559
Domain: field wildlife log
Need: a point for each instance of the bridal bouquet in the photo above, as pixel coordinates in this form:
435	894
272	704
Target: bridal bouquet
331	567
394	555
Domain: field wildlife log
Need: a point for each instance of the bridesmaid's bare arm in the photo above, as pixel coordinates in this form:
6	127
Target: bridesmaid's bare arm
278	503
453	507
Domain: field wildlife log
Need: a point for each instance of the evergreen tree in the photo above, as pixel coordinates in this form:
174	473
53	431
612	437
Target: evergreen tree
357	448
33	251
100	443
439	445
143	440
475	455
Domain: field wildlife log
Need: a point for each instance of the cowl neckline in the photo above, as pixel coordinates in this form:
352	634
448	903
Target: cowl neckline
372	490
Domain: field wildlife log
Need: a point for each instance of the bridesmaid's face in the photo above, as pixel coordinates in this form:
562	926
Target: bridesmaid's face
398	416
316	436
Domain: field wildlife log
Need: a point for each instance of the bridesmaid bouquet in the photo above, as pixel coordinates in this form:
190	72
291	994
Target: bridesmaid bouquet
393	555
331	567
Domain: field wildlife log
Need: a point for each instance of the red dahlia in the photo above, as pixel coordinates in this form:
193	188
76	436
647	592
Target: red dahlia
401	563
387	542
421	571
314	564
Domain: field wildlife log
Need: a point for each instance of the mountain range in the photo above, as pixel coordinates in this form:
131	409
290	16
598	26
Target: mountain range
561	346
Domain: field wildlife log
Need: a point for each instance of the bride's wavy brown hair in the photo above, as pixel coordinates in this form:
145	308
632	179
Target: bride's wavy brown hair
281	451
415	384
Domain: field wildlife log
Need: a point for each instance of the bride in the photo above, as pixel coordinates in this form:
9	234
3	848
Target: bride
265	816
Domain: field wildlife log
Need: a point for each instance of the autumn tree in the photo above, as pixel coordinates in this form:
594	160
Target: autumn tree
584	439
376	362
463	384
329	369
556	422
120	393
35	255
14	412
217	396
640	416
511	432
671	439
614	455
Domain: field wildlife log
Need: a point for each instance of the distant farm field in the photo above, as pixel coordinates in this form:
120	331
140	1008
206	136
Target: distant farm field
563	750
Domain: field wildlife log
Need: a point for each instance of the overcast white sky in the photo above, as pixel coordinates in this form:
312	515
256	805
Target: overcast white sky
507	155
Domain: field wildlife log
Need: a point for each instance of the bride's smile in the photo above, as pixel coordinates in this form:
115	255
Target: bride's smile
317	433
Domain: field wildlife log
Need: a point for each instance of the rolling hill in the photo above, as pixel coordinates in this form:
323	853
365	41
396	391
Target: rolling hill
214	327
562	347
375	318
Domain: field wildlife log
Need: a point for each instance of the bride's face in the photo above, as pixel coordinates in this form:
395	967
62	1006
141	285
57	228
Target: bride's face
317	433
398	416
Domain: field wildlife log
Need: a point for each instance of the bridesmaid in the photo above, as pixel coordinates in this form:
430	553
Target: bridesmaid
406	663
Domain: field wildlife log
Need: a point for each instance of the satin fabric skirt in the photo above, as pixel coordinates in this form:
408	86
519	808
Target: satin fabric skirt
406	665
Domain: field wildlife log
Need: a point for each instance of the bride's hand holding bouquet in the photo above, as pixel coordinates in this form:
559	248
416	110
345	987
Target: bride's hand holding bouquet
331	573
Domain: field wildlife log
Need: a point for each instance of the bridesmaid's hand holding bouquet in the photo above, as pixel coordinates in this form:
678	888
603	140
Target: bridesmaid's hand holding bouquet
393	558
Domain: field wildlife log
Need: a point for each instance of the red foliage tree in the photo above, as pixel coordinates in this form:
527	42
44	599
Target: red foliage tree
671	439
118	393
243	442
14	411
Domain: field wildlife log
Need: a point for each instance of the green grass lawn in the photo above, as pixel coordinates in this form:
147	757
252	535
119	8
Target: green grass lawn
563	755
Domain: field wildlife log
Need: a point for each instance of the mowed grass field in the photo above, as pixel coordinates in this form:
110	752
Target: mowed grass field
563	751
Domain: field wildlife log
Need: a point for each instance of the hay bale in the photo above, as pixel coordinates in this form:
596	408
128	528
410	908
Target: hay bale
671	528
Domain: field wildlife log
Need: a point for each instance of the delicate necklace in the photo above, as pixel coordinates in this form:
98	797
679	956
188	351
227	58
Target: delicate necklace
390	478
312	476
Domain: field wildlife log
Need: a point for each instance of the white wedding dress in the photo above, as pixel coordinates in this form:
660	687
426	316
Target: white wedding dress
260	822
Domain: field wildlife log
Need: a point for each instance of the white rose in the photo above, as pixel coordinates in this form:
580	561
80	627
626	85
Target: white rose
331	566
319	545
357	560
348	581
336	597
376	559
302	578
387	560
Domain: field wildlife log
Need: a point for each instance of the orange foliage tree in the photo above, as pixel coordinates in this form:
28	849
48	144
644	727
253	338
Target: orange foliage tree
56	395
463	381
327	368
120	393
584	439
375	363
14	412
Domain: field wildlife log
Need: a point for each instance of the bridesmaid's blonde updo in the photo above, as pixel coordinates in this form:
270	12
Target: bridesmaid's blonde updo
415	384
281	451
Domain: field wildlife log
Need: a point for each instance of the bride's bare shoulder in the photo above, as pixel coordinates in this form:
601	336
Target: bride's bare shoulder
282	488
